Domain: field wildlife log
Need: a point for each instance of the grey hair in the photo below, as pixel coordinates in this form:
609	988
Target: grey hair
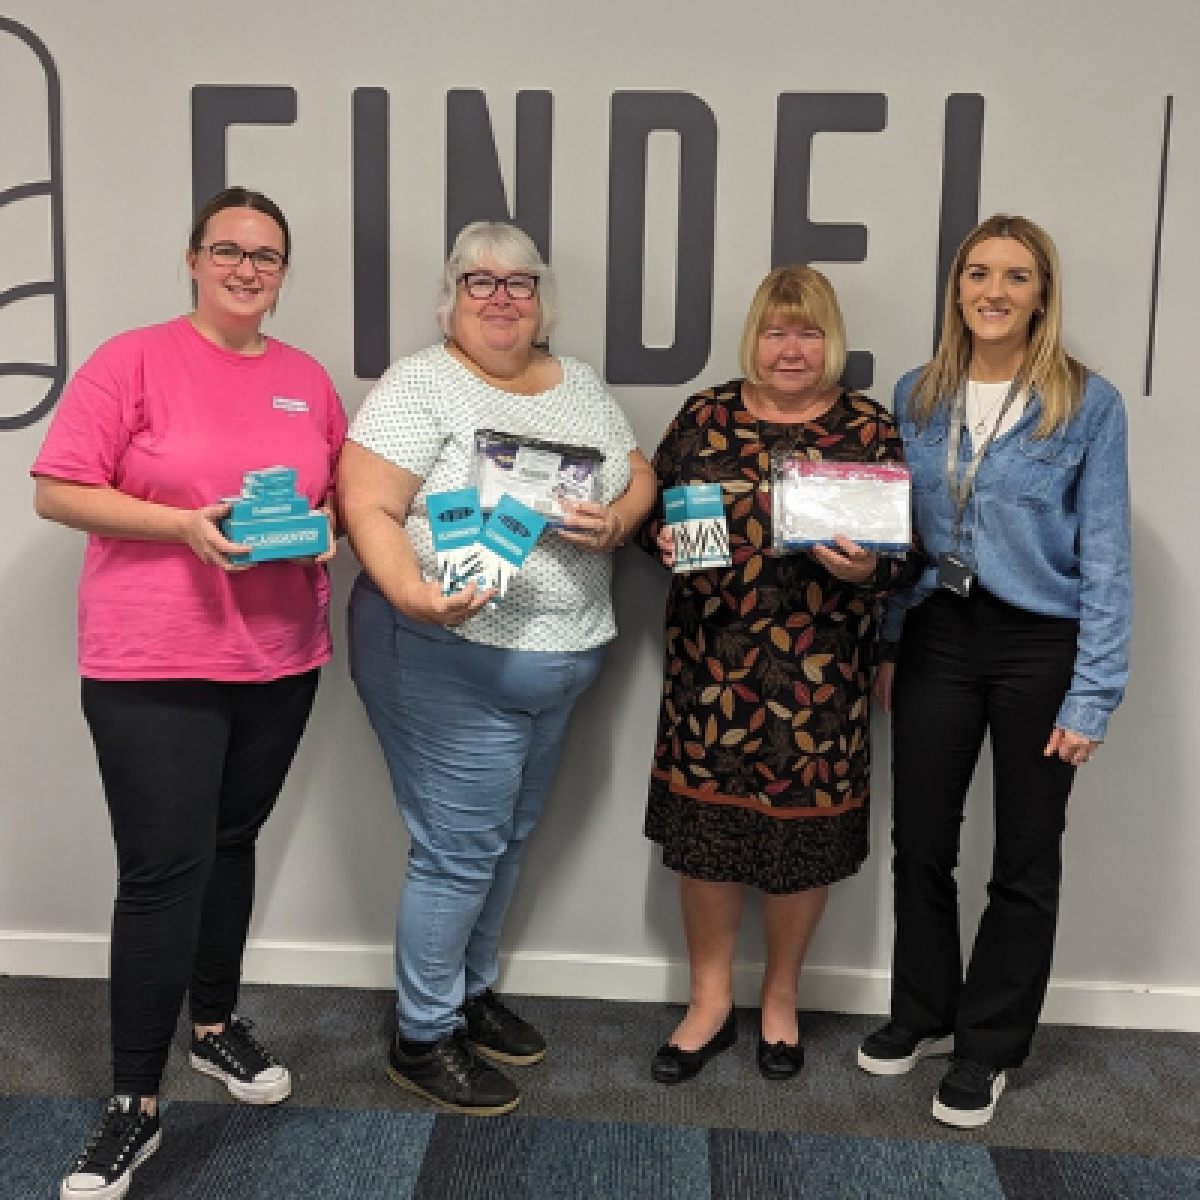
503	246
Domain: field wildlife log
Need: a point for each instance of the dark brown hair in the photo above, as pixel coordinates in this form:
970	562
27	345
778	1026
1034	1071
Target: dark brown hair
237	197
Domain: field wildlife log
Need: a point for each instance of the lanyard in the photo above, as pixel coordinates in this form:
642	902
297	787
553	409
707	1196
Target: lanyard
961	485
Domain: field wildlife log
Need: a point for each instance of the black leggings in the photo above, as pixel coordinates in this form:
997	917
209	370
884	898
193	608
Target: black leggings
969	667
191	770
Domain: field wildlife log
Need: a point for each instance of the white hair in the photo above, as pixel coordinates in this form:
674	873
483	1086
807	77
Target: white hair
503	246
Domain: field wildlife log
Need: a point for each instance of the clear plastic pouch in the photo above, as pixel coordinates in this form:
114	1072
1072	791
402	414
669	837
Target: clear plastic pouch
813	501
539	473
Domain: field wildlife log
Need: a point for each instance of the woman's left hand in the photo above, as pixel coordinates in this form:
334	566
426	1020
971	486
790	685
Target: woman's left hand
846	560
592	526
1072	748
333	534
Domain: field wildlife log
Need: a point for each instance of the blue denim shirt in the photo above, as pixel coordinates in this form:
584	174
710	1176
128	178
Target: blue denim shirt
1047	528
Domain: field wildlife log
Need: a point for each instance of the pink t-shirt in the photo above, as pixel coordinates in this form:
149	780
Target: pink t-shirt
163	414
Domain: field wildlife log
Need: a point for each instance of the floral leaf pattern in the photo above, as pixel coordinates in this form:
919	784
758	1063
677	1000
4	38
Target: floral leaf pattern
762	760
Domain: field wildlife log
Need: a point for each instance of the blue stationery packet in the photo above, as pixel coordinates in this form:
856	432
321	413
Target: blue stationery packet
456	522
509	536
695	513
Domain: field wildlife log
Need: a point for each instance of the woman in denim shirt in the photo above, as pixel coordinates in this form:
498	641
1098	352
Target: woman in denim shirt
1018	628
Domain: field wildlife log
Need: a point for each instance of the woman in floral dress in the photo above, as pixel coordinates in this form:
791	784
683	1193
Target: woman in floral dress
761	773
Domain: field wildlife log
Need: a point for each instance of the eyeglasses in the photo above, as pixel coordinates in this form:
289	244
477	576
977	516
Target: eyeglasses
482	285
229	256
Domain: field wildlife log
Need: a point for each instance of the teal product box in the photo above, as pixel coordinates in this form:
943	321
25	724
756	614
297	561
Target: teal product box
285	537
273	520
272	482
508	537
456	522
695	513
243	509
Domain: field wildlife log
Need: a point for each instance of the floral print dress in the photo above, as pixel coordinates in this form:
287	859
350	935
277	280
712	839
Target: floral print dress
762	761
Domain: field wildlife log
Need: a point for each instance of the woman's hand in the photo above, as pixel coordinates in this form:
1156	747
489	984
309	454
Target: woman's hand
425	602
326	555
881	685
666	546
206	541
846	560
592	526
1072	748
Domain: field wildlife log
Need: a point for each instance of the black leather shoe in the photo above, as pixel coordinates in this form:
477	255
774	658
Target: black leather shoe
778	1060
673	1065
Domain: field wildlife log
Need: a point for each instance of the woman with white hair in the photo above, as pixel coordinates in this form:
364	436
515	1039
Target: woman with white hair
471	700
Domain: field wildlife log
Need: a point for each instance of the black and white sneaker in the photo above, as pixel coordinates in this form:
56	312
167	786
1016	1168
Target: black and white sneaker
895	1049
499	1034
246	1067
968	1095
452	1075
123	1140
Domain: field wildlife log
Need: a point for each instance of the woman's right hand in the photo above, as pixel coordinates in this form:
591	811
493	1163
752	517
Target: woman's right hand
202	536
425	602
881	686
666	545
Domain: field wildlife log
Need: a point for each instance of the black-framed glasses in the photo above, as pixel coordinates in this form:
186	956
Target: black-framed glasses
482	285
229	256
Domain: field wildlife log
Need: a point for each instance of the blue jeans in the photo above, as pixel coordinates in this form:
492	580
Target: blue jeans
472	735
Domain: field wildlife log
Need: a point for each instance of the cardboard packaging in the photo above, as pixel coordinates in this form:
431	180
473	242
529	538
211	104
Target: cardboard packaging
273	520
456	521
696	515
508	538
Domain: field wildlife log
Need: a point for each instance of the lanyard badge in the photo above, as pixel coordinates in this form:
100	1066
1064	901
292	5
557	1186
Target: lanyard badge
956	573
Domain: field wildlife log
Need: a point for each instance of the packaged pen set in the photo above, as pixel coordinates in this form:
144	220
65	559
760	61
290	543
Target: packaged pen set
471	548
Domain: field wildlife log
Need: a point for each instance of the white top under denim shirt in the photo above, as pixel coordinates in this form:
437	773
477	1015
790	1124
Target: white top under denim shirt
1047	528
422	415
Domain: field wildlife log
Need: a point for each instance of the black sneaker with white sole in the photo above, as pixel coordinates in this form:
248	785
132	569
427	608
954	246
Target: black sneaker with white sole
123	1140
968	1095
895	1049
245	1066
499	1034
451	1074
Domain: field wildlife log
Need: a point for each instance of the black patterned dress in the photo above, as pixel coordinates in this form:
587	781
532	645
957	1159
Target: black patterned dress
762	760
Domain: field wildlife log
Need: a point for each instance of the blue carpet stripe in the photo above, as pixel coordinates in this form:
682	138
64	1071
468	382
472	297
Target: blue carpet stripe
469	1157
618	1161
748	1165
1040	1174
232	1152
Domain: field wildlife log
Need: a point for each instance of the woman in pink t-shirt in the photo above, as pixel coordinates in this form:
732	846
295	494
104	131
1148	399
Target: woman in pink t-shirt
199	672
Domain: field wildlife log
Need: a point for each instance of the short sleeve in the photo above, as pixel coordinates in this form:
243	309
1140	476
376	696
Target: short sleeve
400	419
96	418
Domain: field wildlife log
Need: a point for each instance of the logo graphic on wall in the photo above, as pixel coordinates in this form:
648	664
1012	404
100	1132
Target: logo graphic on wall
33	299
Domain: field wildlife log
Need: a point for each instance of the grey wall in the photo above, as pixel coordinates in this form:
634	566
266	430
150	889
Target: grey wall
1074	96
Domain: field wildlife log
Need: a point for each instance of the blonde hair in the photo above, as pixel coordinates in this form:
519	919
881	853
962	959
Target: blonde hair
795	295
1048	369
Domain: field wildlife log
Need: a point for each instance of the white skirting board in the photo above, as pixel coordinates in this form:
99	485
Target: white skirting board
1109	1004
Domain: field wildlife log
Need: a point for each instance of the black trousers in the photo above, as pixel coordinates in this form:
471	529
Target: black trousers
968	667
191	770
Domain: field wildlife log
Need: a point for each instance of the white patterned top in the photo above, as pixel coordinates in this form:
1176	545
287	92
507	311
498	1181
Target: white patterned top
422	415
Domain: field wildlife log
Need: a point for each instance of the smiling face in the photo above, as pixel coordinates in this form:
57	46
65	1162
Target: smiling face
236	298
999	291
789	359
498	325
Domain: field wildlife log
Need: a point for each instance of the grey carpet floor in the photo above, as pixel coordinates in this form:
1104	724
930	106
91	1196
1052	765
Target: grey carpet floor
1114	1092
